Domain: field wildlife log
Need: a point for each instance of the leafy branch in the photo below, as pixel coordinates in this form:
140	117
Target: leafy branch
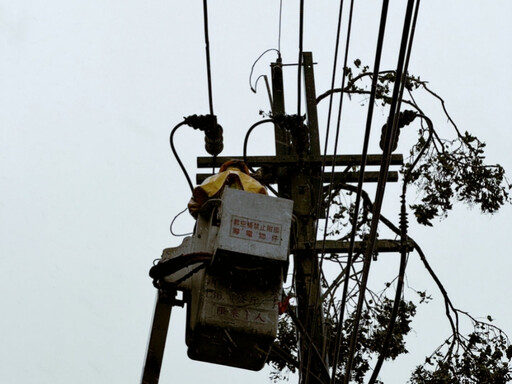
448	170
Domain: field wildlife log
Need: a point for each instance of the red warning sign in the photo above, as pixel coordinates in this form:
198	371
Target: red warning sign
256	230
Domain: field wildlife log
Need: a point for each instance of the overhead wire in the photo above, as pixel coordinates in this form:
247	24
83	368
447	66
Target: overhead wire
329	113
376	68
208	65
403	223
338	125
381	184
403	236
301	43
280	24
207	48
299	103
319	198
210	100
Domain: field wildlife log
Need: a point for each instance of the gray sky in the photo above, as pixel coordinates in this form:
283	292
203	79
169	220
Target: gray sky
89	93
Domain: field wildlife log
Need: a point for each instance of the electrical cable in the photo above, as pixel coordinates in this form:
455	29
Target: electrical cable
381	185
191	273
338	125
305	334
170	266
207	48
213	143
254	64
280	20
301	42
172	223
403	252
319	199
246	140
329	113
171	141
378	55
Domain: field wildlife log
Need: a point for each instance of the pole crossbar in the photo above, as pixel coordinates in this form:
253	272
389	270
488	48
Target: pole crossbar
336	246
290	160
339	177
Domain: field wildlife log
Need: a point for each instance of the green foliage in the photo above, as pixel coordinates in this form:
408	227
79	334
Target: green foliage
371	334
455	171
481	358
285	350
446	170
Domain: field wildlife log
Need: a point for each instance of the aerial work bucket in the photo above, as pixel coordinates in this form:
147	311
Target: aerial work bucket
232	310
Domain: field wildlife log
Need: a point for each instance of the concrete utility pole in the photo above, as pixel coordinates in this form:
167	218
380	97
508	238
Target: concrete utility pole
297	171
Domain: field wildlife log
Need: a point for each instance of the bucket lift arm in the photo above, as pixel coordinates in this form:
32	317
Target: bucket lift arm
156	344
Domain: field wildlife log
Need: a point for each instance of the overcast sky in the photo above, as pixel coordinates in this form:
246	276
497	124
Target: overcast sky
88	186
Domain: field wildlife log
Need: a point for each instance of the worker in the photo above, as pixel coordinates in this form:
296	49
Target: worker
233	174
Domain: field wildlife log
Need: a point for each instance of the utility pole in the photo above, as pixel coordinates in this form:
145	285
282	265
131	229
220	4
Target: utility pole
301	183
297	171
304	181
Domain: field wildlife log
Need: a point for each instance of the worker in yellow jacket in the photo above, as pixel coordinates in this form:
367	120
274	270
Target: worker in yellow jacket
233	174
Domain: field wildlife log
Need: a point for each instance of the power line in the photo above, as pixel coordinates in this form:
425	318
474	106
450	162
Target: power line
338	124
316	309
381	184
280	23
301	42
378	55
403	220
207	48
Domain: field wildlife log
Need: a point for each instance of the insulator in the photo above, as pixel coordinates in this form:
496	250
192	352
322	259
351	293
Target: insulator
383	138
404	222
404	118
213	140
201	122
299	134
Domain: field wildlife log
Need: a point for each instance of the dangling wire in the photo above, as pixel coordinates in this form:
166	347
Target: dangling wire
172	223
254	64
